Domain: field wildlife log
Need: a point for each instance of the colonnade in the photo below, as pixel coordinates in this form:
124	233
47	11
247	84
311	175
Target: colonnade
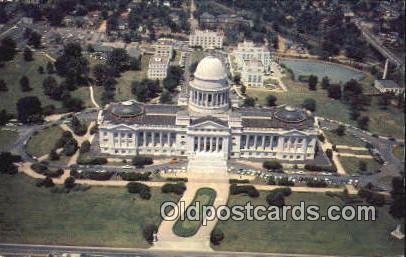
208	144
209	99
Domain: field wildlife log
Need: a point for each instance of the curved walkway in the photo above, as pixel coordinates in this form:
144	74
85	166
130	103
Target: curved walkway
92	97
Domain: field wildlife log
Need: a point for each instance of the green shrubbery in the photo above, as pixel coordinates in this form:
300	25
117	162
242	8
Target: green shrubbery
316	183
101	176
139	188
250	190
148	232
177	188
91	160
216	236
239	181
274	166
277	196
140	161
177	179
131	176
46	182
43	169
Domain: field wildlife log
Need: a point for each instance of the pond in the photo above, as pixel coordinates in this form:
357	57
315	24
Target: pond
336	72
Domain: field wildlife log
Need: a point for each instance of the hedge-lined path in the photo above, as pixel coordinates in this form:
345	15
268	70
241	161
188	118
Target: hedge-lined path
168	240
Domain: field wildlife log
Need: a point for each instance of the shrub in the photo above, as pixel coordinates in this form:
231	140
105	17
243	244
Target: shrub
41	168
101	176
316	183
371	197
178	188
70	147
91	160
135	176
140	161
272	165
85	147
239	181
285	182
321	138
46	182
69	182
139	188
275	198
286	191
216	236
148	232
311	167
177	179
53	156
250	190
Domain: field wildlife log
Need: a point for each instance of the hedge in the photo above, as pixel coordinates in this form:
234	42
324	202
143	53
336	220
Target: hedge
250	190
91	160
178	188
239	181
135	176
139	188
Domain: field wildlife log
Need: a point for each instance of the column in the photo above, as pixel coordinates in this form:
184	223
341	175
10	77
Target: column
263	142
271	142
211	144
204	145
217	144
161	139
255	142
198	144
247	141
145	138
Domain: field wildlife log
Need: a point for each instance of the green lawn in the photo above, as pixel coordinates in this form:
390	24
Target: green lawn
370	238
187	228
343	140
12	73
334	109
351	164
7	137
399	152
101	216
196	56
43	142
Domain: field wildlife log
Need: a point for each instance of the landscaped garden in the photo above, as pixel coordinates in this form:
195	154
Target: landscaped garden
44	141
343	140
100	216
352	165
186	227
371	238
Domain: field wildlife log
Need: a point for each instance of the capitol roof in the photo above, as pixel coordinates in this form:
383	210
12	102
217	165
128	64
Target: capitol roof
210	68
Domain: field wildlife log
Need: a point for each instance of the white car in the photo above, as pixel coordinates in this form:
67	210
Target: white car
127	167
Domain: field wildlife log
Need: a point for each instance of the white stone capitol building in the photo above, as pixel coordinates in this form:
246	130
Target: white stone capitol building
207	127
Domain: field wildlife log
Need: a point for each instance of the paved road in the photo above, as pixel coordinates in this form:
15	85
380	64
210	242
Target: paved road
24	250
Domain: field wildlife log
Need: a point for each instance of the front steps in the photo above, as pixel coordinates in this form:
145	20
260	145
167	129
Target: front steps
207	164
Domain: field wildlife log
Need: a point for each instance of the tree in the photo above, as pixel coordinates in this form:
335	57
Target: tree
237	79
363	122
35	40
53	155
27	55
7	163
165	97
340	130
69	182
40	70
118	60
25	84
272	165
216	236
148	232
7	49
362	166
29	109
384	100
334	91
249	101
3	86
271	100
309	104
313	82
398	206
325	82
135	63
145	90
50	68
140	161
4	117
51	88
72	104
354	114
72	65
243	89
70	147
85	146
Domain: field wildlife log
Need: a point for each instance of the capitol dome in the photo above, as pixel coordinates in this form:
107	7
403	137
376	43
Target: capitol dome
209	90
210	68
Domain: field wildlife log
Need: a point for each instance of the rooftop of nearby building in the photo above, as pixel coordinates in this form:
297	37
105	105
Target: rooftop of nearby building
387	83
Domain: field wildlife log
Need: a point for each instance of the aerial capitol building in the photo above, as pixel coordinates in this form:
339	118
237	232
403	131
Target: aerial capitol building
207	127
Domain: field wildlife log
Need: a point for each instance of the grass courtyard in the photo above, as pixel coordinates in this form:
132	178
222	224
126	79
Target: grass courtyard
12	73
101	216
366	238
43	142
351	164
335	109
7	137
343	140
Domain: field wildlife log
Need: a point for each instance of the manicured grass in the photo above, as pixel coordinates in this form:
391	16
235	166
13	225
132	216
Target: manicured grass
187	228
335	109
43	142
7	137
101	216
196	56
12	73
343	140
351	164
399	152
370	238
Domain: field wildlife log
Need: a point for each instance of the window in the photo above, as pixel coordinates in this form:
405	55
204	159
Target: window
115	134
